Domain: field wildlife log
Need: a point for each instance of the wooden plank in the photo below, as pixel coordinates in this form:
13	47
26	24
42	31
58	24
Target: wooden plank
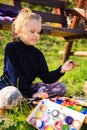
68	34
5	6
5	27
46	16
54	18
76	12
50	3
53	31
81	12
78	53
5	22
73	12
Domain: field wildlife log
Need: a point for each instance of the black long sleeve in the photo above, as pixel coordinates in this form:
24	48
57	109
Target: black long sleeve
27	63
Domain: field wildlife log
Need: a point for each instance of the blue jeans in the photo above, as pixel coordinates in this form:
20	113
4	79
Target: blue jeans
4	81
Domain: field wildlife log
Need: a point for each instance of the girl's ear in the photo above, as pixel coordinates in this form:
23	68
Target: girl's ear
18	31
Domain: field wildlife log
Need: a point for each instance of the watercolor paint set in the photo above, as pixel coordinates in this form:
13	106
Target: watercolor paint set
61	114
76	104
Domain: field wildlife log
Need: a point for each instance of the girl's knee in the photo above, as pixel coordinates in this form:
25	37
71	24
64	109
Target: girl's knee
62	90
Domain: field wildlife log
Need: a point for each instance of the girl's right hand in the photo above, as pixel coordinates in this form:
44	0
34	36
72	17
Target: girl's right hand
68	66
40	95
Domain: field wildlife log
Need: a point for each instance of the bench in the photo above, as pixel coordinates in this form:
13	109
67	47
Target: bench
53	13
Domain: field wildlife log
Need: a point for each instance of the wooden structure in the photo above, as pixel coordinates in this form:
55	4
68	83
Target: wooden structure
80	14
57	14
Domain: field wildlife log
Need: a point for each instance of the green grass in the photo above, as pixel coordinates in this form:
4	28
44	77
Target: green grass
74	80
15	119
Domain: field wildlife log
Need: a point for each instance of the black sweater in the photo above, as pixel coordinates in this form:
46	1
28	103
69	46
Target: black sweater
25	63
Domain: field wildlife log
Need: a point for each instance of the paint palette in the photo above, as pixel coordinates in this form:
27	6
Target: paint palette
49	115
77	104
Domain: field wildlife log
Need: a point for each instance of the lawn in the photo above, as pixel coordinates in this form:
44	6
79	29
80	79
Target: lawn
15	119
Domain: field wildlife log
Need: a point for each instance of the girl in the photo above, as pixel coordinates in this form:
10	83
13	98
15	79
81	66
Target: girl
24	62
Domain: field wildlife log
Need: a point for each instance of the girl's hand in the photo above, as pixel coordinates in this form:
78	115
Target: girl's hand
85	87
40	95
68	65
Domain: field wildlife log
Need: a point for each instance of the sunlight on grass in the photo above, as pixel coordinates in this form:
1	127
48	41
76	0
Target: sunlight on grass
74	80
15	119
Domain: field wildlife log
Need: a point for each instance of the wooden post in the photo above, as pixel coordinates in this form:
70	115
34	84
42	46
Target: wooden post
17	4
60	12
57	11
69	44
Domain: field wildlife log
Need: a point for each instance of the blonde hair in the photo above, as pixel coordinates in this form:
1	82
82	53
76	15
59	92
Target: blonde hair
24	15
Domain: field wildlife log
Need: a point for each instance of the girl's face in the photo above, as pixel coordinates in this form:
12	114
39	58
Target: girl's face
30	34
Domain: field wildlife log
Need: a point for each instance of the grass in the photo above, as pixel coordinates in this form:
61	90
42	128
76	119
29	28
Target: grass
74	80
15	119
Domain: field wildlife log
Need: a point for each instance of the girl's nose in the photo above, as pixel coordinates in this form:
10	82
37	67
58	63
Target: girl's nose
36	34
